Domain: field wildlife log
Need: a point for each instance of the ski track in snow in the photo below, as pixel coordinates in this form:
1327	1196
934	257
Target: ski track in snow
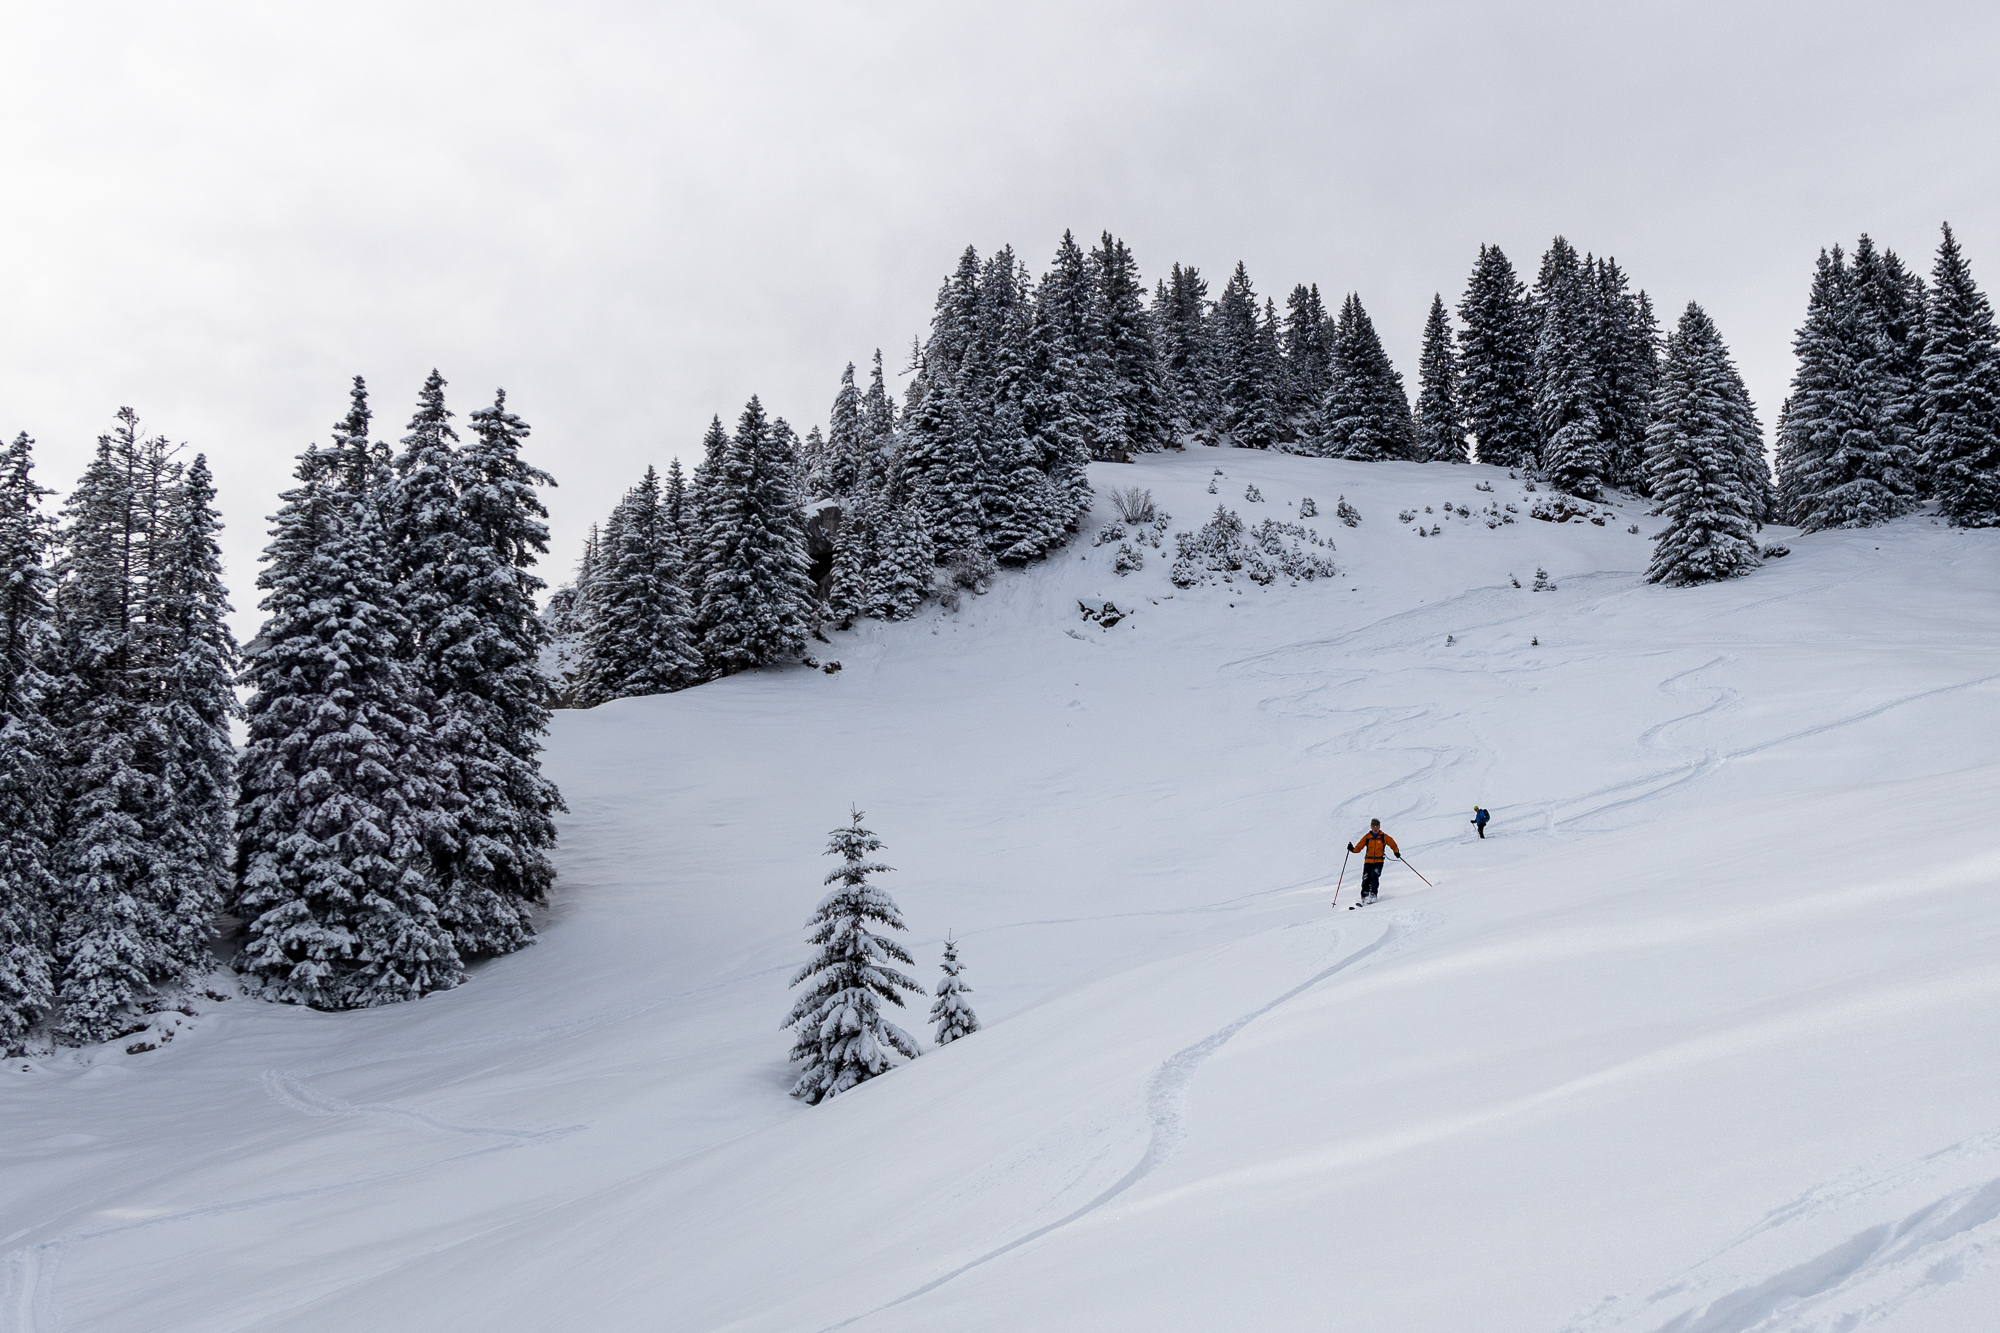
291	1090
1166	1108
29	1273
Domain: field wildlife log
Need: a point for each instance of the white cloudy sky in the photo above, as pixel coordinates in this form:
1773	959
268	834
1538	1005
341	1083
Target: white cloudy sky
634	216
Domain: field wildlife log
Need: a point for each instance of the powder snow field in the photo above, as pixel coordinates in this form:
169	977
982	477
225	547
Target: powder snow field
1701	1038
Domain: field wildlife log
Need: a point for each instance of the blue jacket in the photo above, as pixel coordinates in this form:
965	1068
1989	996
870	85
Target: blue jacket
1481	817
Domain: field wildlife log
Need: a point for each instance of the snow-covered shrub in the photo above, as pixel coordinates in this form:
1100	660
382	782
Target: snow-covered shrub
1483	486
1268	552
1407	515
1511	579
1771	552
1127	560
971	568
1109	533
1347	513
1635	528
1543	583
1463	512
841	1037
1252	494
1307	509
1133	503
1565	509
1211	485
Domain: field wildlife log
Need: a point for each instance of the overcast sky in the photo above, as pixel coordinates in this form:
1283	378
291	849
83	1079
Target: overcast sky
633	216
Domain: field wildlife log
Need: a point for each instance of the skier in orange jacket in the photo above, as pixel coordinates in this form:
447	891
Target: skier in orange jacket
1371	870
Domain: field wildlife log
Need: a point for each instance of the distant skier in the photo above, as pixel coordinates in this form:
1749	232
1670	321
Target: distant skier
1479	818
1371	869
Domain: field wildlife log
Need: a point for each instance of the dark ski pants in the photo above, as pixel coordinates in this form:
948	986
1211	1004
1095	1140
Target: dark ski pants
1481	827
1371	880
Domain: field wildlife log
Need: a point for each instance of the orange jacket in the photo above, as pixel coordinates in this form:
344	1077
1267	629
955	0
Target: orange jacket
1373	840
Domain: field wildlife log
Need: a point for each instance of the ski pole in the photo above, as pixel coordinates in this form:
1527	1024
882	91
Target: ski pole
1342	880
1418	873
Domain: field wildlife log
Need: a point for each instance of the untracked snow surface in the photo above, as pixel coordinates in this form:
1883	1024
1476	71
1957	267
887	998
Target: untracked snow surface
1701	1038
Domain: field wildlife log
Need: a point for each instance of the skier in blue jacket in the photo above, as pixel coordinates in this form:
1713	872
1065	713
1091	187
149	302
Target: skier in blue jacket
1479	818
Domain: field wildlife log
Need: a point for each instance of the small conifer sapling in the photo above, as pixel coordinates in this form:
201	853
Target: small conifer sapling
952	1015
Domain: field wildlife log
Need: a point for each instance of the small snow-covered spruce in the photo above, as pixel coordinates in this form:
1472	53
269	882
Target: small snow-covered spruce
1701	433
1347	513
951	1013
1543	583
842	1039
1307	509
1253	495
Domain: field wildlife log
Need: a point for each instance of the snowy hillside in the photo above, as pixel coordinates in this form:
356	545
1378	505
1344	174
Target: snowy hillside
1699	1038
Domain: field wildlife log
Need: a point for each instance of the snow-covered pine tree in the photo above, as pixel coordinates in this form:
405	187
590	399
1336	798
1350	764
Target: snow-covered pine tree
812	465
1961	394
1069	381
114	934
1561	267
1890	303
674	503
490	699
444	569
29	758
841	1037
952	1014
840	468
1025	515
1695	452
337	788
1135	415
1565	413
1308	355
1622	337
905	557
1367	414
640	632
1440	430
193	703
1180	319
757	596
1247	370
854	561
878	429
1847	464
958	492
1496	363
714	453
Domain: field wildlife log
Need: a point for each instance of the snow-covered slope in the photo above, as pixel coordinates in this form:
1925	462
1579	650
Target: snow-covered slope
1700	1038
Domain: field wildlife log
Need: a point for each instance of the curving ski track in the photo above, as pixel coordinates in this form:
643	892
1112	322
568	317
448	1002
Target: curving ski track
1166	1107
